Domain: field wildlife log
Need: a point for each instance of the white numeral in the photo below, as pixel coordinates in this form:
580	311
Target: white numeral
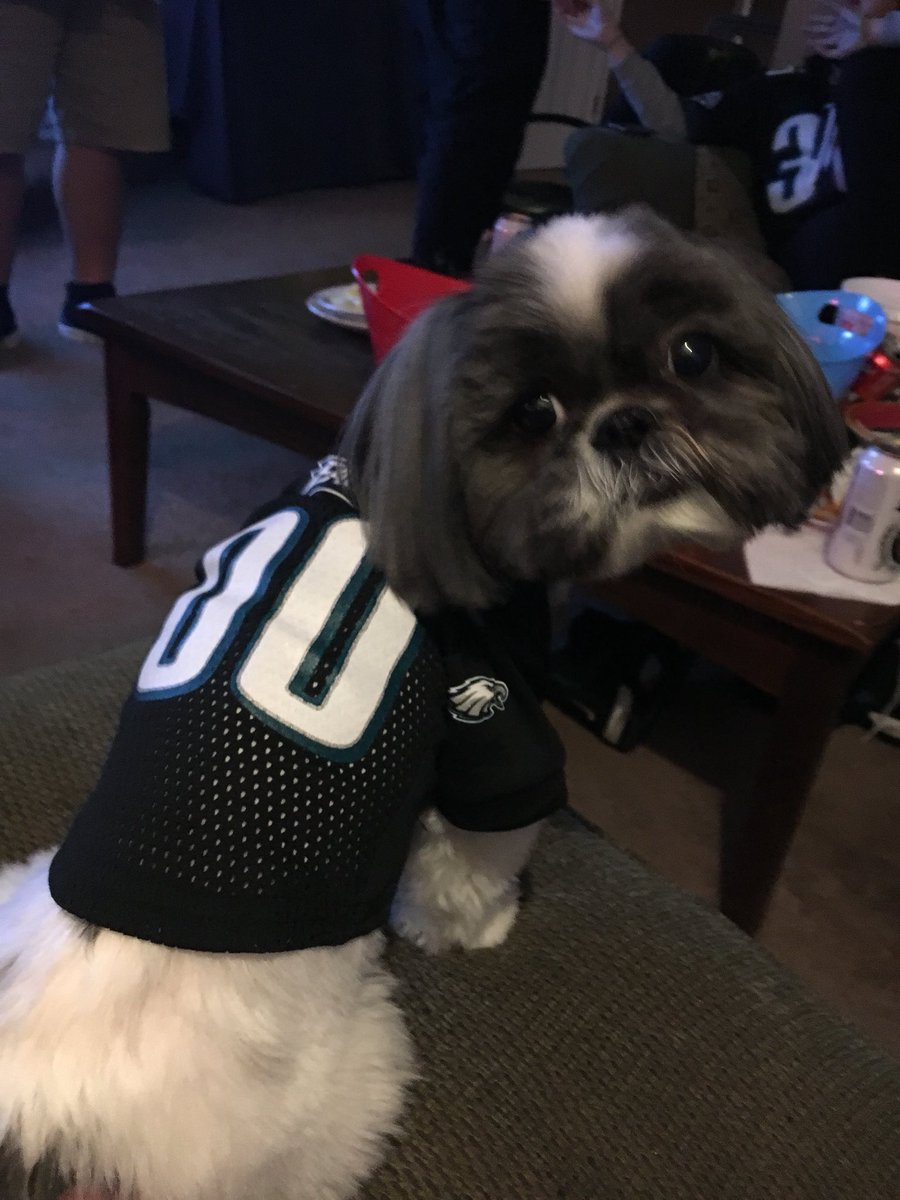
280	676
340	719
203	621
812	140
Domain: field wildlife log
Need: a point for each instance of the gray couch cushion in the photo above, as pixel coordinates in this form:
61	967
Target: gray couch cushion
701	188
624	1043
608	170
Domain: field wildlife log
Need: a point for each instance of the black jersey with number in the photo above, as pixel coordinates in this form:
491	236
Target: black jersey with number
786	122
288	727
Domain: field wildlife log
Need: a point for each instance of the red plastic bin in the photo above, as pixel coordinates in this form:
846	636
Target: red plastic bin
394	293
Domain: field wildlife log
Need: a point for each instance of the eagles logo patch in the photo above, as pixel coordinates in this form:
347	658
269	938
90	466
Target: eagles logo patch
477	699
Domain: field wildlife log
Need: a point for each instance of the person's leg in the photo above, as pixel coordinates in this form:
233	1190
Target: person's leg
814	254
109	97
87	1194
29	40
866	102
89	190
12	190
484	64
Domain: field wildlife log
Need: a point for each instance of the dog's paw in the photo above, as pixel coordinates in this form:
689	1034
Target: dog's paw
495	929
423	934
460	888
437	932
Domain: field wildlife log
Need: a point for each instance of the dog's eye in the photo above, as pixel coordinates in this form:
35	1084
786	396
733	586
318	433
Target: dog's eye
692	355
535	415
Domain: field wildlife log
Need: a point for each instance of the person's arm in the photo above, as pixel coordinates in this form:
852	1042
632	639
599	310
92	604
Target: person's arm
657	107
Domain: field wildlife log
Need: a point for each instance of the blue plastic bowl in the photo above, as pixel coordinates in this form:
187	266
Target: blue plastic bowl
841	348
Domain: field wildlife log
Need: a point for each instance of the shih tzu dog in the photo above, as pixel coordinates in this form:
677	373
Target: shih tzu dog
334	730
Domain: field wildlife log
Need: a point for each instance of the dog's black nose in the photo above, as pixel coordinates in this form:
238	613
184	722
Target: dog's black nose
623	430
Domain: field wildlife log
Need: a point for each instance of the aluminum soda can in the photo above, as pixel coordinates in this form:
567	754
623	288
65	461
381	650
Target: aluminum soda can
865	543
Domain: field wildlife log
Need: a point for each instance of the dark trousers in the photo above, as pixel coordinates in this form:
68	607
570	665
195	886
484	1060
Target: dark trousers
859	235
482	62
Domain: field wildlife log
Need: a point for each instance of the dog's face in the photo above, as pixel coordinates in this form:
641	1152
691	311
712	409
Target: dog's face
608	386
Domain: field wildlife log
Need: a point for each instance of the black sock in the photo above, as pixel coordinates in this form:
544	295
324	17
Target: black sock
83	293
7	316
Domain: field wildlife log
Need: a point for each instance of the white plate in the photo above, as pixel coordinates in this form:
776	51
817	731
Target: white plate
344	299
346	320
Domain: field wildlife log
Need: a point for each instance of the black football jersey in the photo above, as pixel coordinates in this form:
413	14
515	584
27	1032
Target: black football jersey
288	727
786	122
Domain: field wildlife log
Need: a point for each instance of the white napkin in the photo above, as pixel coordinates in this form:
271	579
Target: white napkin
796	563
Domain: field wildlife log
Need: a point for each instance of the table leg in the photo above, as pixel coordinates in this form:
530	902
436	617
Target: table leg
752	859
128	433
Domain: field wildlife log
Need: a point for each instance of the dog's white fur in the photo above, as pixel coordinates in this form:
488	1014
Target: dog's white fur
179	1076
460	888
591	254
176	1075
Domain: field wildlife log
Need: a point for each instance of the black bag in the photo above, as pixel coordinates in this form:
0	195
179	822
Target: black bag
874	699
615	676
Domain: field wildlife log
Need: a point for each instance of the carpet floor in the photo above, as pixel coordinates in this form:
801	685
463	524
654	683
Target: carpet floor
835	920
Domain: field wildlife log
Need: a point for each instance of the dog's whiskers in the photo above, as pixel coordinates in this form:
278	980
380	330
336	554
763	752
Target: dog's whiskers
695	451
679	457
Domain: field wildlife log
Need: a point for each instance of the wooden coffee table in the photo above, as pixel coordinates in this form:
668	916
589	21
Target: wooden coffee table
250	355
803	650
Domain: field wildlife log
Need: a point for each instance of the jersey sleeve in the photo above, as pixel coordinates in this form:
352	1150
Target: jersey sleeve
501	763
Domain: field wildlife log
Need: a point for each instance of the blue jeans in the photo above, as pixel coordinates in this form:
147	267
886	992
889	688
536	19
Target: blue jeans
482	62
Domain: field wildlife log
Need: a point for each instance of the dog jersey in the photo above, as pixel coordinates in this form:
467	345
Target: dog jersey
288	727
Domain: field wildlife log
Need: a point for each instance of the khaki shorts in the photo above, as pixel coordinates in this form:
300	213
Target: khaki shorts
101	63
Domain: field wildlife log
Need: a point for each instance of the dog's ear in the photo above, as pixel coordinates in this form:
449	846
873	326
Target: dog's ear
404	469
808	403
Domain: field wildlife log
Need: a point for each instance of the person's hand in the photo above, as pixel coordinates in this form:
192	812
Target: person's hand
594	22
837	28
571	8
